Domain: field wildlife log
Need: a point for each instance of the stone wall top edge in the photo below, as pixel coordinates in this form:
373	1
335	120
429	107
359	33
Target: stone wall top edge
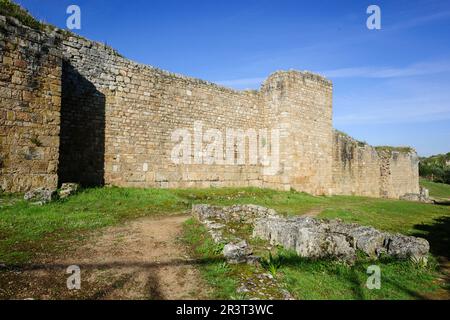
297	74
381	150
74	40
102	47
31	34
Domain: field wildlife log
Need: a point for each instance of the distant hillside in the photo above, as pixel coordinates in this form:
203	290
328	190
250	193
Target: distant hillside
436	168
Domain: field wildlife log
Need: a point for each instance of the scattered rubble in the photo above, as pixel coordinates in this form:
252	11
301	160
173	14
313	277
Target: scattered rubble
41	196
68	189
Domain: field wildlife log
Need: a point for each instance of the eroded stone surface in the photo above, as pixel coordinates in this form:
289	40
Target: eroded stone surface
68	189
237	252
41	196
311	237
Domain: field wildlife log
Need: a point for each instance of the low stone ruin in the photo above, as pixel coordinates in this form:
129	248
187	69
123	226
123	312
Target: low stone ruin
218	219
68	189
422	196
309	237
314	238
41	196
222	224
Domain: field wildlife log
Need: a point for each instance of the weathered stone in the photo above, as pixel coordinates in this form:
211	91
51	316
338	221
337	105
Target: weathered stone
67	104
310	237
41	195
367	239
422	196
307	236
315	238
237	252
404	247
238	213
68	189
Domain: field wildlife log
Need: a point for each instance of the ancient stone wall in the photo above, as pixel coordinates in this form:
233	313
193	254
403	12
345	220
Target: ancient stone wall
399	173
300	106
356	167
30	101
74	110
136	109
360	169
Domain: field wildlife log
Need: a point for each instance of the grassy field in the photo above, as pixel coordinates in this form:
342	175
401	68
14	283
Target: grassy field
27	230
439	191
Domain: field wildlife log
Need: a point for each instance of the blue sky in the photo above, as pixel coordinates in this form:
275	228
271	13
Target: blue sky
391	86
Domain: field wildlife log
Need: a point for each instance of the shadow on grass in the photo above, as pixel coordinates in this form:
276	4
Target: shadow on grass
354	275
438	235
117	264
13	276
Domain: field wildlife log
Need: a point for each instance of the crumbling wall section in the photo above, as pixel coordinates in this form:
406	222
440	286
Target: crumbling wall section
363	170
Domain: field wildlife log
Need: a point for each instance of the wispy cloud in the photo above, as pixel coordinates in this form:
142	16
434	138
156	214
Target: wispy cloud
420	21
404	101
424	113
241	83
418	69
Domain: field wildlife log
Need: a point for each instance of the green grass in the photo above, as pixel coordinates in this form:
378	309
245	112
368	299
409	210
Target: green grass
27	230
331	280
438	191
217	273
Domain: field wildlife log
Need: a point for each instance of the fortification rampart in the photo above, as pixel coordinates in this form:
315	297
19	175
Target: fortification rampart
97	118
30	100
360	169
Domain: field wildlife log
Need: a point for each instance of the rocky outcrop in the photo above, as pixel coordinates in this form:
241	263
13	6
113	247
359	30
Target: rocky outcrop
314	238
309	237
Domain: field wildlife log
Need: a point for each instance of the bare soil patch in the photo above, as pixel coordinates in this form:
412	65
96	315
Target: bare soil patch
142	259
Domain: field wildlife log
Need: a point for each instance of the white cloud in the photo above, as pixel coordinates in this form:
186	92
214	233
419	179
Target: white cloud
242	83
420	20
403	101
418	69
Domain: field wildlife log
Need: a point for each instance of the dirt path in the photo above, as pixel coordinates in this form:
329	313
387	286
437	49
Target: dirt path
142	259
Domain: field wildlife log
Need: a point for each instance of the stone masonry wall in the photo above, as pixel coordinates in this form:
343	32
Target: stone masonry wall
399	173
30	90
360	169
74	110
300	106
136	109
